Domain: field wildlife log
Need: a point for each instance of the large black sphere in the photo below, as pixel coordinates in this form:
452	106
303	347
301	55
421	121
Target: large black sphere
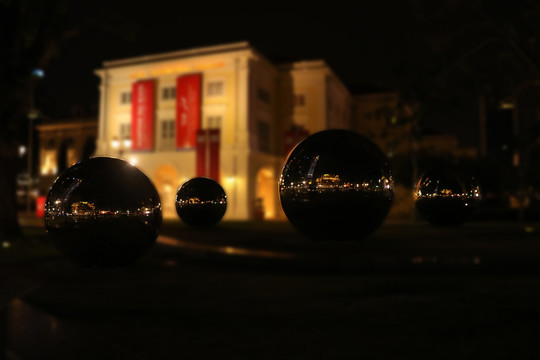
443	198
336	185
201	202
103	212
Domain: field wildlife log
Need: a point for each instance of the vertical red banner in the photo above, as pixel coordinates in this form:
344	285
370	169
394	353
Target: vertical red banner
201	152
40	206
142	115
188	110
214	144
292	138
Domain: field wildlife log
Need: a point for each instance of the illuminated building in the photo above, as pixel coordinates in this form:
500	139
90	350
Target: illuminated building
225	112
62	143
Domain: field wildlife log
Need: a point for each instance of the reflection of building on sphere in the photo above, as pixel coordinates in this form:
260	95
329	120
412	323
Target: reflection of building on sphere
201	201
443	198
336	185
327	181
103	212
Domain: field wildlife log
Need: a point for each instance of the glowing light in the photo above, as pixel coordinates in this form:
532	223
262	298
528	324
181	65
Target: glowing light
6	244
115	143
39	73
133	160
22	150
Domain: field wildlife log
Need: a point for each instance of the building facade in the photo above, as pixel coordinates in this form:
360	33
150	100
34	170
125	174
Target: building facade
224	112
62	143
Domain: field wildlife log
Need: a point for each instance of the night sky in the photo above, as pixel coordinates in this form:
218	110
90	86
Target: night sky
369	48
357	46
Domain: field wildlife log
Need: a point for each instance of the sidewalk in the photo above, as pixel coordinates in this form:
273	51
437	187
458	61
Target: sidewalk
261	290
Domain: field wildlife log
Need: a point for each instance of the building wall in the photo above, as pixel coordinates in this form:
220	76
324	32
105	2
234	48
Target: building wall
254	109
62	144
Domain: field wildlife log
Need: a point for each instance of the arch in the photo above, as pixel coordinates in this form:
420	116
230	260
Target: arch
265	194
165	181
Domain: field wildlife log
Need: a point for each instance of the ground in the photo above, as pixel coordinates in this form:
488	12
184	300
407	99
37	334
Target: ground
260	290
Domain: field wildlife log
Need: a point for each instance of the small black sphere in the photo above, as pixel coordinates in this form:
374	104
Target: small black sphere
336	185
201	202
103	212
443	198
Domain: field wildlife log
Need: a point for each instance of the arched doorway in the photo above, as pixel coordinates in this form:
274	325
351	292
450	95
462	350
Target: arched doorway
265	194
165	181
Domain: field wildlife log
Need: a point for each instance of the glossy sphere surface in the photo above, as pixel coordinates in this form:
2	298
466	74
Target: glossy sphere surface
336	185
201	202
103	212
443	198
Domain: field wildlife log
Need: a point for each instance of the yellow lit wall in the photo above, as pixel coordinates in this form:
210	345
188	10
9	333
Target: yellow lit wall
250	108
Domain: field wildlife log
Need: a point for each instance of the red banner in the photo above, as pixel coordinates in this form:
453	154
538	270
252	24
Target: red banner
40	206
208	144
213	139
292	138
188	110
142	115
201	153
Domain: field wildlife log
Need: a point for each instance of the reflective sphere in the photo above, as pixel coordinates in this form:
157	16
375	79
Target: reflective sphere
336	185
445	199
103	212
201	202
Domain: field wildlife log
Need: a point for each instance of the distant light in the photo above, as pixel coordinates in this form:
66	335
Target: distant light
39	73
22	150
6	244
127	143
506	105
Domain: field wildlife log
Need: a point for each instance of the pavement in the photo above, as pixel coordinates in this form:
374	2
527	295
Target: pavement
261	290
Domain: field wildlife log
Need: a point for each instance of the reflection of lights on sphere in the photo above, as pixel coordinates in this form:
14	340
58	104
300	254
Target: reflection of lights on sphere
201	202
336	185
103	212
443	198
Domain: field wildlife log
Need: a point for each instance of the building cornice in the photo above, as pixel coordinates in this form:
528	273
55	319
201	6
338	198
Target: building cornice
244	45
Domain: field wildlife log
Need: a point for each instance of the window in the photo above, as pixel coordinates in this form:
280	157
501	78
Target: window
299	100
48	162
212	122
263	95
125	97
214	88
167	135
168	93
263	135
125	131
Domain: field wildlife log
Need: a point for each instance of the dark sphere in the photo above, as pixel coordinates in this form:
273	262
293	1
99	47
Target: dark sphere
443	198
103	212
336	185
201	202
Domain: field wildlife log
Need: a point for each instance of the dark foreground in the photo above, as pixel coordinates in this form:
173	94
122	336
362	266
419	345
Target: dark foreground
262	291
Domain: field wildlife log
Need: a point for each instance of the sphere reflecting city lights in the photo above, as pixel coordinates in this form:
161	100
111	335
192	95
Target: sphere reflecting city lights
201	202
336	185
443	198
103	212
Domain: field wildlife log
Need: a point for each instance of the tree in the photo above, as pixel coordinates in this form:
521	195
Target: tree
32	33
473	49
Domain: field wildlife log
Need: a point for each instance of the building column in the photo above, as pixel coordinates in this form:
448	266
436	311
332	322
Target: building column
102	145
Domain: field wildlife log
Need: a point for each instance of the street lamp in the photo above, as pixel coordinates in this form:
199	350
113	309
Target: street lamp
121	145
32	115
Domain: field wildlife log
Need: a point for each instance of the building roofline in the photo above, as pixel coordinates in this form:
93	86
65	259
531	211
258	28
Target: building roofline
303	64
69	124
243	45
